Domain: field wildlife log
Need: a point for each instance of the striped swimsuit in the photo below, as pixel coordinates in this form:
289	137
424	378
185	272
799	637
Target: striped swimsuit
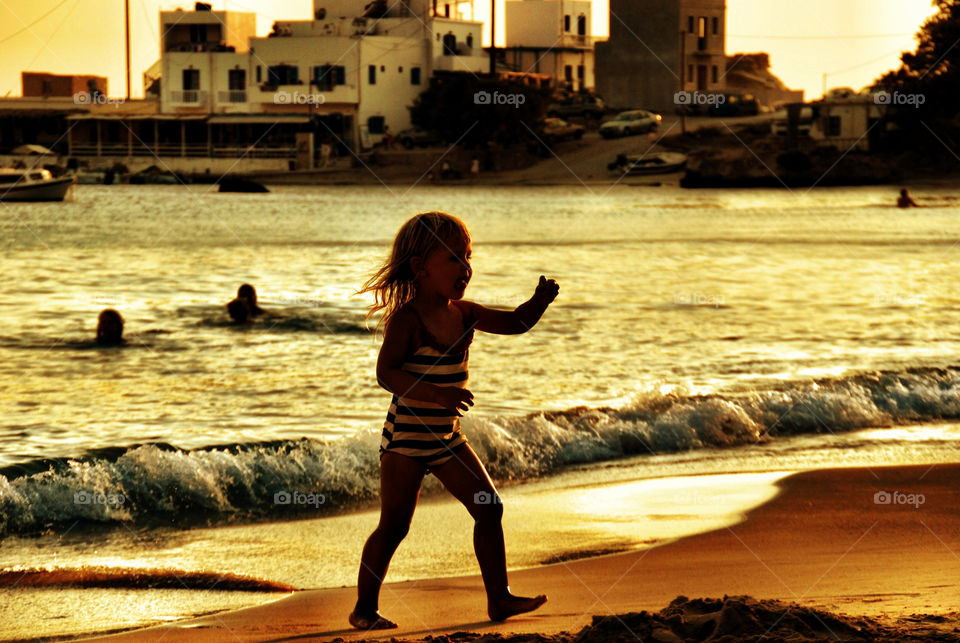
427	432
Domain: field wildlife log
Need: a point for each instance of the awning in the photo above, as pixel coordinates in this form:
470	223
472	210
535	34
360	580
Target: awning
268	119
136	117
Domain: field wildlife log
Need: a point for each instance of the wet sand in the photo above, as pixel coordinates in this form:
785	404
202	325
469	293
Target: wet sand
827	541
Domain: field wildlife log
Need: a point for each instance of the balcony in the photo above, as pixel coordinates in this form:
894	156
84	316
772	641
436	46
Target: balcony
576	41
232	96
188	97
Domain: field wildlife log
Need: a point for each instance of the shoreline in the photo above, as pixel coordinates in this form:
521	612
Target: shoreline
822	542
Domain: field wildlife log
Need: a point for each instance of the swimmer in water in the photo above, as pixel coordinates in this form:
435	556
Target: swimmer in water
905	201
244	308
110	328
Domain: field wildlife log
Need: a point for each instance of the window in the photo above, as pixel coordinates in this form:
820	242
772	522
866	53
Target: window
470	40
715	73
689	24
568	73
716	25
689	72
833	126
581	25
449	45
191	79
701	33
566	24
375	124
414	75
580	76
328	76
399	70
372	75
259	75
282	75
198	33
446	11
237	79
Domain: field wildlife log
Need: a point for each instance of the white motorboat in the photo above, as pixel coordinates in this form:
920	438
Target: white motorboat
660	163
35	184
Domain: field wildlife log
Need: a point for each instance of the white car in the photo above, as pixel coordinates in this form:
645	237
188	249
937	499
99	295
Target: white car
637	121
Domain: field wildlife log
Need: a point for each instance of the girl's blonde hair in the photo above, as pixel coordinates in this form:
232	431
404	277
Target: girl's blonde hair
395	283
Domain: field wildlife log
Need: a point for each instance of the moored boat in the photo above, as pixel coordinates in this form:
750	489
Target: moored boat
35	184
660	163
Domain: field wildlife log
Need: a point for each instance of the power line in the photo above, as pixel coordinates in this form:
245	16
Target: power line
27	27
831	37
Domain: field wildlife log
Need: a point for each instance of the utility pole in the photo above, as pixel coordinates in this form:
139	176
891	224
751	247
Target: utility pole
126	4
493	37
683	75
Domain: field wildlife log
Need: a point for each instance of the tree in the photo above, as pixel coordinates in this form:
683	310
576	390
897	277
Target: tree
471	110
933	70
922	94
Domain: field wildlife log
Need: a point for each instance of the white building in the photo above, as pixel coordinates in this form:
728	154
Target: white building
552	37
363	64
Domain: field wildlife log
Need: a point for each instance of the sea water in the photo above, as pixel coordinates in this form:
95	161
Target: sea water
697	333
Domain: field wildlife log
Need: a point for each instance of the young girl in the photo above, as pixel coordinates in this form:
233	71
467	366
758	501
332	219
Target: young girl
423	362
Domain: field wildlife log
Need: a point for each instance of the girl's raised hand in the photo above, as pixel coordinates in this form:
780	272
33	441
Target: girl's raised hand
547	289
452	398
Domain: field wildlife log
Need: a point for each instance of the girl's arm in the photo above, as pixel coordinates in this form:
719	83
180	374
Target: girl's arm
522	318
397	339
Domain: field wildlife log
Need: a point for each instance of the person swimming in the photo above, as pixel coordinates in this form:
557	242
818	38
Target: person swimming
905	201
244	308
110	328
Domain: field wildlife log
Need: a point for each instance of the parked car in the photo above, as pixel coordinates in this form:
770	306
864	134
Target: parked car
736	105
416	137
557	129
578	105
636	121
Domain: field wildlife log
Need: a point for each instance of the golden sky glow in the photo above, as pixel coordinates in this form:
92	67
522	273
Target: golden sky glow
852	41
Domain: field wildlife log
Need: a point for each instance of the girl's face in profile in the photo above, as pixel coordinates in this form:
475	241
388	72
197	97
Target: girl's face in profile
446	270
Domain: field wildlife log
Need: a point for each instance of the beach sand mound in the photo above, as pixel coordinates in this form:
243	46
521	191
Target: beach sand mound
730	619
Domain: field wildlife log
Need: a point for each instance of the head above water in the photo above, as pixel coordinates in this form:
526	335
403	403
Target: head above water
109	327
395	283
246	291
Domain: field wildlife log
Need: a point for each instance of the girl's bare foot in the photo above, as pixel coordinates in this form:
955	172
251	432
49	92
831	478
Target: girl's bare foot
370	621
512	605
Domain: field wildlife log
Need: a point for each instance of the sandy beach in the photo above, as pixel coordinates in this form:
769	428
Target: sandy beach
865	542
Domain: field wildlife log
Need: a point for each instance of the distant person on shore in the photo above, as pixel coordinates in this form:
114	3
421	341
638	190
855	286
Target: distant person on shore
423	362
388	137
110	328
905	201
244	308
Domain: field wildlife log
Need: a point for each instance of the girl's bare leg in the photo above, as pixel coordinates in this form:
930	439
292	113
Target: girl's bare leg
466	478
400	479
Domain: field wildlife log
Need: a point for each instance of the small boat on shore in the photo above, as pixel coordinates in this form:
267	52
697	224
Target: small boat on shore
660	163
36	184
